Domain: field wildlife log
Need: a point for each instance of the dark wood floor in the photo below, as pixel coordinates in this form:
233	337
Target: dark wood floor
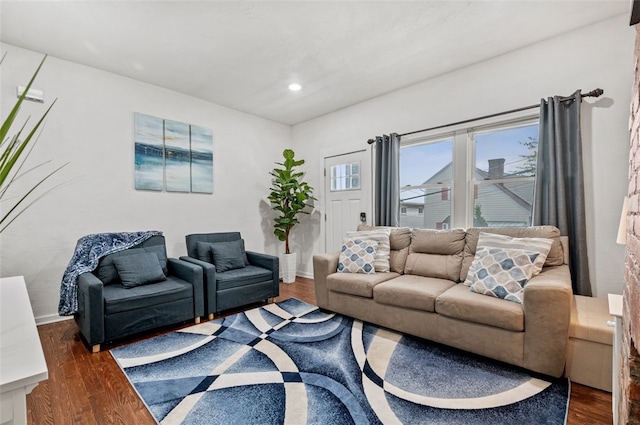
85	388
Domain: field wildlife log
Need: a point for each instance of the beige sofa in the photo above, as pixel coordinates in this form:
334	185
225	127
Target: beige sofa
423	295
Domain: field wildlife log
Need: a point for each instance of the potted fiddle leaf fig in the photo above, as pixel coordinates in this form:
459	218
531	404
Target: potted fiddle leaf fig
290	195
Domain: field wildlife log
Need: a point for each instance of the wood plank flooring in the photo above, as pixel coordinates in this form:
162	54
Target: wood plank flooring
85	388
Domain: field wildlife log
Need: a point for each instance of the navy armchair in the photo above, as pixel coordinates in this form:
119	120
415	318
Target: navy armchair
232	276
115	300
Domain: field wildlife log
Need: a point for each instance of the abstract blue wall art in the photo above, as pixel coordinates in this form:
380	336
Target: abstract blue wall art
149	152
172	155
201	159
177	157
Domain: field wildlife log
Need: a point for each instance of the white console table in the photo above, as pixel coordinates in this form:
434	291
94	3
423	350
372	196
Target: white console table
22	363
615	310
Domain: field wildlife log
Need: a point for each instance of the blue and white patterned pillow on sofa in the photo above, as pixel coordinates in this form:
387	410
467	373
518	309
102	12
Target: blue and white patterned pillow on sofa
357	256
503	273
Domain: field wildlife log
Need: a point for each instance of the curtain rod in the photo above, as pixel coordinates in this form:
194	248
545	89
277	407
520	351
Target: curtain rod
592	93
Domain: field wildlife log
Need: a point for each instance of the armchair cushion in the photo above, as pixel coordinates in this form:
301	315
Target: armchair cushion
228	255
139	269
118	299
241	277
106	270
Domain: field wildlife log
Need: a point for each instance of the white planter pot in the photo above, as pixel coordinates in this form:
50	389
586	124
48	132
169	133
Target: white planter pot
288	267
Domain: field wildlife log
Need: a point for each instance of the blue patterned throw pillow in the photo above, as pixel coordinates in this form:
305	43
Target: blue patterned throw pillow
503	273
357	256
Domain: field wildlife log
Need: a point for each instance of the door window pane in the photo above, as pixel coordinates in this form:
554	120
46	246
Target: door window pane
345	176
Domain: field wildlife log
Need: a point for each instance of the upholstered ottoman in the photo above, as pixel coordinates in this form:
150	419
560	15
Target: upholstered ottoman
590	346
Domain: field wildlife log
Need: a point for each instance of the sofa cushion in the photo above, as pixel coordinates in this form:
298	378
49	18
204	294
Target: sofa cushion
357	256
435	253
440	242
502	273
117	298
381	236
357	284
416	292
139	269
106	270
399	239
554	258
228	255
460	303
241	277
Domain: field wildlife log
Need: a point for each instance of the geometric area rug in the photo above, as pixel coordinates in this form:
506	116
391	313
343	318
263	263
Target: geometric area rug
291	363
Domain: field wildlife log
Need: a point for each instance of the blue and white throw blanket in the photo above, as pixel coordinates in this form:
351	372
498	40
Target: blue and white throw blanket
86	256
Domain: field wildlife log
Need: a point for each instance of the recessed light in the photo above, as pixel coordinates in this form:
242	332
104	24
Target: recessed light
295	87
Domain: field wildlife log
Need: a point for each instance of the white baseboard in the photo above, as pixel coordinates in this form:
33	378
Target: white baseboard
305	274
51	318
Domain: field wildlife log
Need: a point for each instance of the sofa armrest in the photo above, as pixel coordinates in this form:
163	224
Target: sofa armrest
209	282
323	266
90	314
193	274
269	262
547	313
564	241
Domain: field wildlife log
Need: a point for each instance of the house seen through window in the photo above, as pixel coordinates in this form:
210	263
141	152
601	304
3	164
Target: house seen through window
473	177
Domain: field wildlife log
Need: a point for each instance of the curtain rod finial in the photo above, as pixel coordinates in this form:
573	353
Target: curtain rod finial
371	141
594	93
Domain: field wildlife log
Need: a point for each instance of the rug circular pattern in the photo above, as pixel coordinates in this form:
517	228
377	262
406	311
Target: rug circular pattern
294	364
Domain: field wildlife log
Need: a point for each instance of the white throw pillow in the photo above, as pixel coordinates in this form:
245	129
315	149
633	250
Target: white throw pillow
494	240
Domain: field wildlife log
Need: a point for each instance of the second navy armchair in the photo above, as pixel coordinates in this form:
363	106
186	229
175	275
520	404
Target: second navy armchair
232	276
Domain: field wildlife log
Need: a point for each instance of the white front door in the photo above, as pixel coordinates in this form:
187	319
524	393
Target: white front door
348	193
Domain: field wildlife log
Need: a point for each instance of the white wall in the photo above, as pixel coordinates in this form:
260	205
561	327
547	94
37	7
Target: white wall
599	55
91	126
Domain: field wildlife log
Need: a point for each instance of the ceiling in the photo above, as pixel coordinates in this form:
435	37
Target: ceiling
243	54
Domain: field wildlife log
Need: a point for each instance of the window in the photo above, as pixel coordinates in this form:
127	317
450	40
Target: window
505	166
473	177
403	210
425	174
345	176
445	193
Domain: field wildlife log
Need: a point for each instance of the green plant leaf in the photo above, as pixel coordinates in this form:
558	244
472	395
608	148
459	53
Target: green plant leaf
6	169
24	197
14	112
289	195
14	154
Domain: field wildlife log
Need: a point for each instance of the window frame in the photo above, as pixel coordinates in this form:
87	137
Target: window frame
348	176
463	159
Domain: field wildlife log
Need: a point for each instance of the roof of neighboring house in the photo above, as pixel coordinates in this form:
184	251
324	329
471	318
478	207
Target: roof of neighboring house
517	194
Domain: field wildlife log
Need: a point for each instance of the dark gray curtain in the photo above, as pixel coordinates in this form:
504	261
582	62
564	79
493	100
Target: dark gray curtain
387	178
559	189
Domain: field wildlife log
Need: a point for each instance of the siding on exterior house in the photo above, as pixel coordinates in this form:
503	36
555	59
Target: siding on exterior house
502	204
